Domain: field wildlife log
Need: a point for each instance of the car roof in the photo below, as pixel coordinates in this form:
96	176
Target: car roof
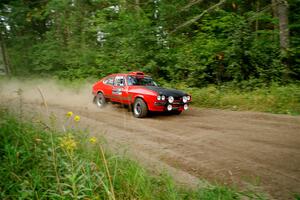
136	73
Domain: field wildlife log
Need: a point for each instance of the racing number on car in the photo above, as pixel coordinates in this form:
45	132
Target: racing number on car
117	91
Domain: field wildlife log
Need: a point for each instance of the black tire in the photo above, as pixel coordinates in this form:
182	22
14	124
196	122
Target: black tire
100	100
140	108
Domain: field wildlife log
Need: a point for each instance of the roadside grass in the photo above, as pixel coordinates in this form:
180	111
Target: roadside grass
274	99
38	162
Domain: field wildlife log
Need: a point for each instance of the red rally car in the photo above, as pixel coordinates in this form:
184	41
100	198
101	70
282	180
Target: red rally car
139	92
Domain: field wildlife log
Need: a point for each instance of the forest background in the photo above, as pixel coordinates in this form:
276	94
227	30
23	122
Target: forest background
191	44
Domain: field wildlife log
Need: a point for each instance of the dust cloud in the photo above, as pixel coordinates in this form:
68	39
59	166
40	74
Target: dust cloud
54	92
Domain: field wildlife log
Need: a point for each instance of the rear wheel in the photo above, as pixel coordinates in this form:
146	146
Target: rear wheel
140	109
100	100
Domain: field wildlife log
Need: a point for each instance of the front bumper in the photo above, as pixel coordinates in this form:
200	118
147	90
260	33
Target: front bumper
165	106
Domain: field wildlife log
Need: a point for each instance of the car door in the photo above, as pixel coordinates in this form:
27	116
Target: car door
108	85
119	89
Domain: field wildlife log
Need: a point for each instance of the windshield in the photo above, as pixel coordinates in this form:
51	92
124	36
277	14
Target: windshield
147	81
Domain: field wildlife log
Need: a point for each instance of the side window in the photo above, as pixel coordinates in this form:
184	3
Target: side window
119	81
109	81
131	80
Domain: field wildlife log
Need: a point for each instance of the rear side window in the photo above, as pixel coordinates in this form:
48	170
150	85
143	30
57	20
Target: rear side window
109	81
119	81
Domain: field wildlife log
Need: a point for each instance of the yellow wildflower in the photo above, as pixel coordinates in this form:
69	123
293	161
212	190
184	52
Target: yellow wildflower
76	118
68	143
70	114
93	140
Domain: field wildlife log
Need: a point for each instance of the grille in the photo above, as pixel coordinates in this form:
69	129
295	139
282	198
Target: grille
177	98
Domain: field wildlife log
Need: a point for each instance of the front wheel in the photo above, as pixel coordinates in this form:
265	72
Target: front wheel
100	100
140	109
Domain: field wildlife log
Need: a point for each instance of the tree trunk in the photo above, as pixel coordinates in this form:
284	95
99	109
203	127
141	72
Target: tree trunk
274	8
281	7
4	55
137	7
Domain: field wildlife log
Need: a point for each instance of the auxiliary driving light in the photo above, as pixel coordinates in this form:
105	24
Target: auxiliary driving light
163	98
185	107
184	99
171	99
169	107
158	98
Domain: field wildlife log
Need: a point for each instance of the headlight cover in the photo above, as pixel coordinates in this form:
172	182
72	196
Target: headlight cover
184	99
170	99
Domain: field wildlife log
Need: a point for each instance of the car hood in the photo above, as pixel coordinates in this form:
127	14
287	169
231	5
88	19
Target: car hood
166	92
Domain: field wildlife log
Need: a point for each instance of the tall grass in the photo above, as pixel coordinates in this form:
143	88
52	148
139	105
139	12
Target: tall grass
37	162
273	99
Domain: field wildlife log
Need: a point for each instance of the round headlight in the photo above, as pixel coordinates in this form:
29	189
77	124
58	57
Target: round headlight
163	98
184	99
158	98
169	107
171	99
188	98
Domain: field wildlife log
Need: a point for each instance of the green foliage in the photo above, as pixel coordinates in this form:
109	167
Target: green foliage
45	164
295	39
78	39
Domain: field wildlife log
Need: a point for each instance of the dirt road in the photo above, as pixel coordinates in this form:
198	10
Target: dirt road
250	150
